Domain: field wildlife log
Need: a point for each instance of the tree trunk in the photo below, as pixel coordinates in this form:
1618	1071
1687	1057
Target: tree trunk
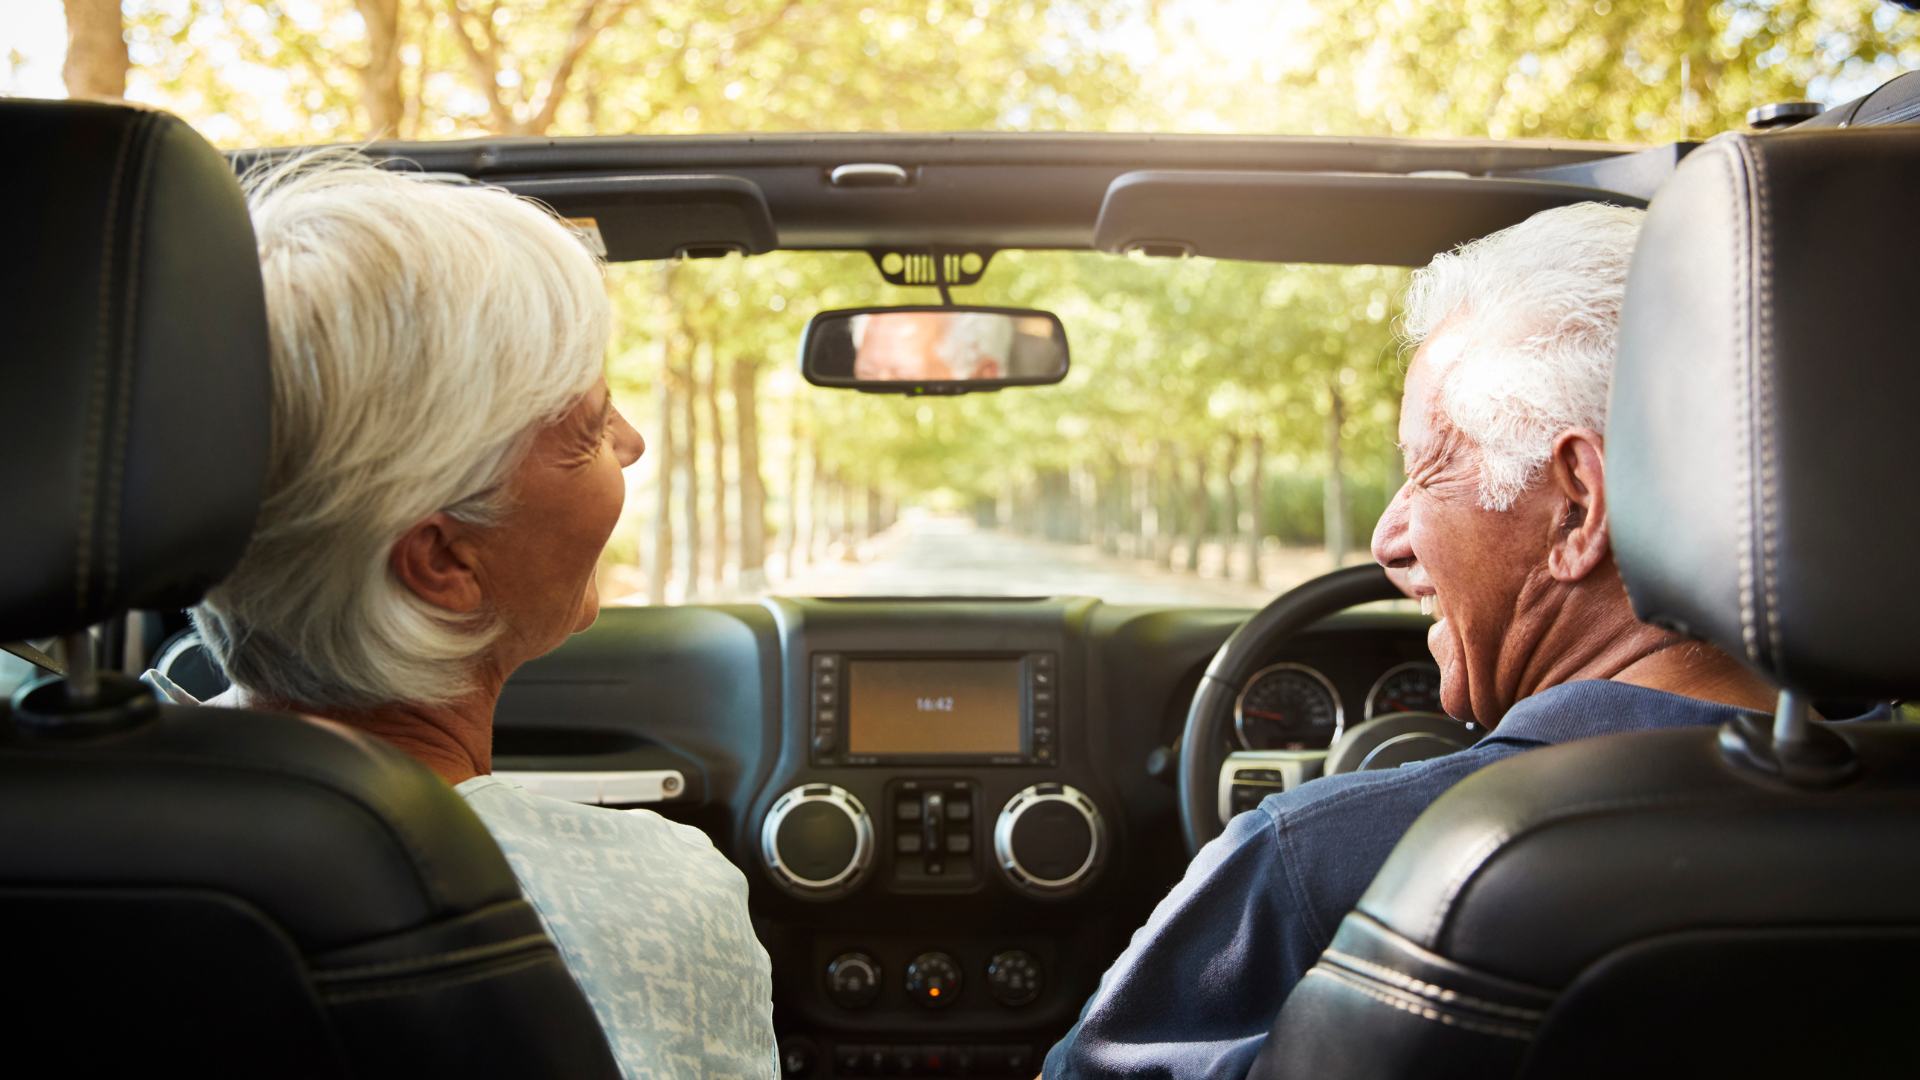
690	457
753	489
380	79
816	505
96	64
844	493
1197	526
1336	488
717	561
872	525
661	568
1140	511
1256	505
795	440
1230	513
1166	483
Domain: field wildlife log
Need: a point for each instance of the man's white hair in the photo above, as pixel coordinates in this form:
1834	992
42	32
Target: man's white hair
1538	304
422	333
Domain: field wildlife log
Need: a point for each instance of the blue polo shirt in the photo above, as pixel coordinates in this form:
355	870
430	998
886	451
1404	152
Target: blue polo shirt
1195	992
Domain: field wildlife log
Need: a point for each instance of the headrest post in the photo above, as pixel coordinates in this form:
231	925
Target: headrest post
1796	750
1790	718
83	678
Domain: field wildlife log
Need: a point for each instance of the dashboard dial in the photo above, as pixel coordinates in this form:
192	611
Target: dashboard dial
1411	687
1288	706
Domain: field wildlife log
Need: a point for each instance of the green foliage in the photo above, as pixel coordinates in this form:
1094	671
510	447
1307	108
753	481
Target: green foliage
1173	362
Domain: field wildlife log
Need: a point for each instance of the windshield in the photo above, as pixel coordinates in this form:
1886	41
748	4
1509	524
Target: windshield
1226	429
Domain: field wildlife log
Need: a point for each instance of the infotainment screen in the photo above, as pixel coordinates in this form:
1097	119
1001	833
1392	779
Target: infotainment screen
917	707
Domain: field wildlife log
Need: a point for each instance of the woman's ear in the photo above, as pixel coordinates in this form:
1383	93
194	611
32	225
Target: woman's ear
1577	472
436	560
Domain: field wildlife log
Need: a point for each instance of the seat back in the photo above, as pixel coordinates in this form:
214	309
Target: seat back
1743	901
204	892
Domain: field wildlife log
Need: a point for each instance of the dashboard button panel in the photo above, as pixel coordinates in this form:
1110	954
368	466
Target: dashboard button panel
933	834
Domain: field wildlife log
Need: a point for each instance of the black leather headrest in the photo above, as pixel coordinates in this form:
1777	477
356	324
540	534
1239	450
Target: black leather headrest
134	385
1760	461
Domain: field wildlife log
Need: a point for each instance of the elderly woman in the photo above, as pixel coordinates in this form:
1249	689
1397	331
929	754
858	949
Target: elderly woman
446	468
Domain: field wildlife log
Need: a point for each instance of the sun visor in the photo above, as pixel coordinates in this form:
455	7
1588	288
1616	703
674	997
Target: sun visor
660	217
1316	217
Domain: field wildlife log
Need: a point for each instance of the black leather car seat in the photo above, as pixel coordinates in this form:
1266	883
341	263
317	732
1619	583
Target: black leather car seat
204	892
1739	902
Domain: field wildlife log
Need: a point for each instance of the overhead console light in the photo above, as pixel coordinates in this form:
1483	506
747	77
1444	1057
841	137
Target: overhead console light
1390	219
694	216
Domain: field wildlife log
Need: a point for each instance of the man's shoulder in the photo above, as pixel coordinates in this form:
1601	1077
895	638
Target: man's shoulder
1413	785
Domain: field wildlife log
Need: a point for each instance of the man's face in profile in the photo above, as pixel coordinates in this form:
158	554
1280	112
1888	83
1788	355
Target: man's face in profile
1467	564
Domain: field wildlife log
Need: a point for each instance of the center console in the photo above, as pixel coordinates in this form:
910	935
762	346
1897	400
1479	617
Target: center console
933	839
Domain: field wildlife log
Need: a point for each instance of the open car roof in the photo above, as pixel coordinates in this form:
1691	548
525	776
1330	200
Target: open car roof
1264	198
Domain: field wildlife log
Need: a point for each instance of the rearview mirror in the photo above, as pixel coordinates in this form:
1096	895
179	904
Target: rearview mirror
934	350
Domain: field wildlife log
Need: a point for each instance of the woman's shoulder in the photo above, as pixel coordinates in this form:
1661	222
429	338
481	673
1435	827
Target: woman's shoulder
504	804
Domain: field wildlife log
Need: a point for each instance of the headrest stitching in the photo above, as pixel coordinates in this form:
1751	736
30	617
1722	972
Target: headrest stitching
110	535
96	400
1742	377
1769	470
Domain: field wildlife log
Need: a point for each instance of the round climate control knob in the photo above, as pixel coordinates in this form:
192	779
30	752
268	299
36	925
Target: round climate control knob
933	980
817	841
1014	978
853	980
1050	840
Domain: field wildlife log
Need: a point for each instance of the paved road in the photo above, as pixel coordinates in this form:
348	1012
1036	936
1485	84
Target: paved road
948	556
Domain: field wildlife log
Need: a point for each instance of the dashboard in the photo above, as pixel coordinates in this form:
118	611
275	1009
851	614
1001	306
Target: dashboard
952	814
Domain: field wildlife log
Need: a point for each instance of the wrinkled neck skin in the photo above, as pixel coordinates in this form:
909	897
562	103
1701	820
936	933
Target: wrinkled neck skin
455	740
1565	632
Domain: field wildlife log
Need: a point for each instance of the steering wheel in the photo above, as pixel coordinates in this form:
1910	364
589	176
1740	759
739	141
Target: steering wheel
1383	742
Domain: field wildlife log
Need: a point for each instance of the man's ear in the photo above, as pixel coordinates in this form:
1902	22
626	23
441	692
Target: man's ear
436	561
1577	471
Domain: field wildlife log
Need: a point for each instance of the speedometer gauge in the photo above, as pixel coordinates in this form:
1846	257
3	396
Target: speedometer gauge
1411	687
1287	707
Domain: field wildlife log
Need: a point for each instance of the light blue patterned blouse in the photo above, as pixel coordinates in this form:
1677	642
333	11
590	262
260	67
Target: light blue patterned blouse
652	921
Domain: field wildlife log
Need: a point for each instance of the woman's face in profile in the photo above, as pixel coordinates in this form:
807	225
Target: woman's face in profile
538	570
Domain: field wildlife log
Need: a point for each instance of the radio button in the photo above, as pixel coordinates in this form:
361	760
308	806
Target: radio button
1042	735
959	843
907	843
823	741
908	808
959	809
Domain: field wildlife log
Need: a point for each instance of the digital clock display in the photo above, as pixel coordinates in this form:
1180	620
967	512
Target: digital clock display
929	707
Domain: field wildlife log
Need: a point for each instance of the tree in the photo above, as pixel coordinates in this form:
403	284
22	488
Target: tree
96	65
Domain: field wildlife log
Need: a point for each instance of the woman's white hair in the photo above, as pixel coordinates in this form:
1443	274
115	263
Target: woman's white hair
1538	304
422	333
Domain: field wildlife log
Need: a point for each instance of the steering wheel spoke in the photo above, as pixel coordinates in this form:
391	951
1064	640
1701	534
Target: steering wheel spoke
1247	776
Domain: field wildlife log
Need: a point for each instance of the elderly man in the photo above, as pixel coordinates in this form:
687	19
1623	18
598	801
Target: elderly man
1501	531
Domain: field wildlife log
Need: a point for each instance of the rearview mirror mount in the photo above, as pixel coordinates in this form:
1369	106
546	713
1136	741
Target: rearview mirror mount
933	349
